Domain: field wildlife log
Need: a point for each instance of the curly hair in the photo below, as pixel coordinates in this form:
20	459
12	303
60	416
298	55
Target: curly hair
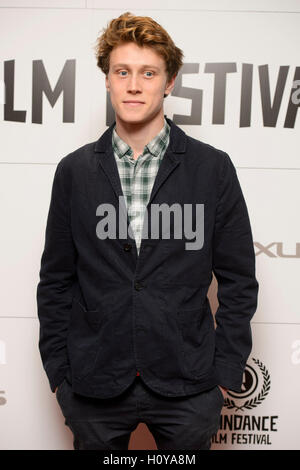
144	31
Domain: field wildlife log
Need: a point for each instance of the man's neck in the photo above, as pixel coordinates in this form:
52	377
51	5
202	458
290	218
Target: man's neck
137	135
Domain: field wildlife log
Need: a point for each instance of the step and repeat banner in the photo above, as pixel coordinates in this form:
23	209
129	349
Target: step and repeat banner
238	90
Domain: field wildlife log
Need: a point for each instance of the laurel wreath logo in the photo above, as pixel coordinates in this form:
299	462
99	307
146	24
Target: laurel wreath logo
253	402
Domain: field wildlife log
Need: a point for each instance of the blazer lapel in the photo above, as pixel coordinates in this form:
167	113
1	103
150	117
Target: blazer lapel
107	160
171	159
177	145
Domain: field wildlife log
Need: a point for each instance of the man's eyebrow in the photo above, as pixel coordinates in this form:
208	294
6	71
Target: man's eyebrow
142	66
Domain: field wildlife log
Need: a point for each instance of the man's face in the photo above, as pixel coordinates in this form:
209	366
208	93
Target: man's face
137	74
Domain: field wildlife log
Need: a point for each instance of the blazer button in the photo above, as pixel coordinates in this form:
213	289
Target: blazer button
138	285
127	246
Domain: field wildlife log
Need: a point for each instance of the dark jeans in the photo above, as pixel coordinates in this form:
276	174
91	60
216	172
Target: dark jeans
176	423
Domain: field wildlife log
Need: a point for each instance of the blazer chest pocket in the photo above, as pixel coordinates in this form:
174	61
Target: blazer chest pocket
197	339
83	338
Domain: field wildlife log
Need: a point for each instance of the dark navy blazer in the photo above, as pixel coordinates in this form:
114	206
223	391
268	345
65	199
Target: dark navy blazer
106	313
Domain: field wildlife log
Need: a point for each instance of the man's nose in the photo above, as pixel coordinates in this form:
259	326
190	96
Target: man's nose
134	84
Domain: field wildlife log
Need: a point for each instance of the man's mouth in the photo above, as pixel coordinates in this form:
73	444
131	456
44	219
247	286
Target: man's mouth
133	103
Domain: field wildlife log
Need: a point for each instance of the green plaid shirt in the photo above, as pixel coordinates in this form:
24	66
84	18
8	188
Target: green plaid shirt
137	176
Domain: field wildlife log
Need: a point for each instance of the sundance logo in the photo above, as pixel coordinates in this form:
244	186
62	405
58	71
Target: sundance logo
251	394
239	427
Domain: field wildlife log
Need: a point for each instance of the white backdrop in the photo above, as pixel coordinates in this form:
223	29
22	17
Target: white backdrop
234	92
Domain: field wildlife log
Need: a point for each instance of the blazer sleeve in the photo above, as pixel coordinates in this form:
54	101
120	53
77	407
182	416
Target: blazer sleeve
57	276
234	269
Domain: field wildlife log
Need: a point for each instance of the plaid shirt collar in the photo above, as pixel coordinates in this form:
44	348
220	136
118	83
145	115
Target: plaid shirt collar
156	146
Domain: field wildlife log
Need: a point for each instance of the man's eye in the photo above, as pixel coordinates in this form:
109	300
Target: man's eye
121	72
150	73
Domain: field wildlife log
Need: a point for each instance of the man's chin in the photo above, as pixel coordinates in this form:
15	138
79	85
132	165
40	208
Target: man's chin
131	119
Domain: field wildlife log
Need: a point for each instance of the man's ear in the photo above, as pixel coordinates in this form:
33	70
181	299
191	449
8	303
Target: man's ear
170	85
106	83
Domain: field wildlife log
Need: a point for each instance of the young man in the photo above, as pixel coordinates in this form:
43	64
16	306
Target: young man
126	330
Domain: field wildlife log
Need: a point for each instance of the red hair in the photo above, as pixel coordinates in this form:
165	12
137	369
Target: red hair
144	31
